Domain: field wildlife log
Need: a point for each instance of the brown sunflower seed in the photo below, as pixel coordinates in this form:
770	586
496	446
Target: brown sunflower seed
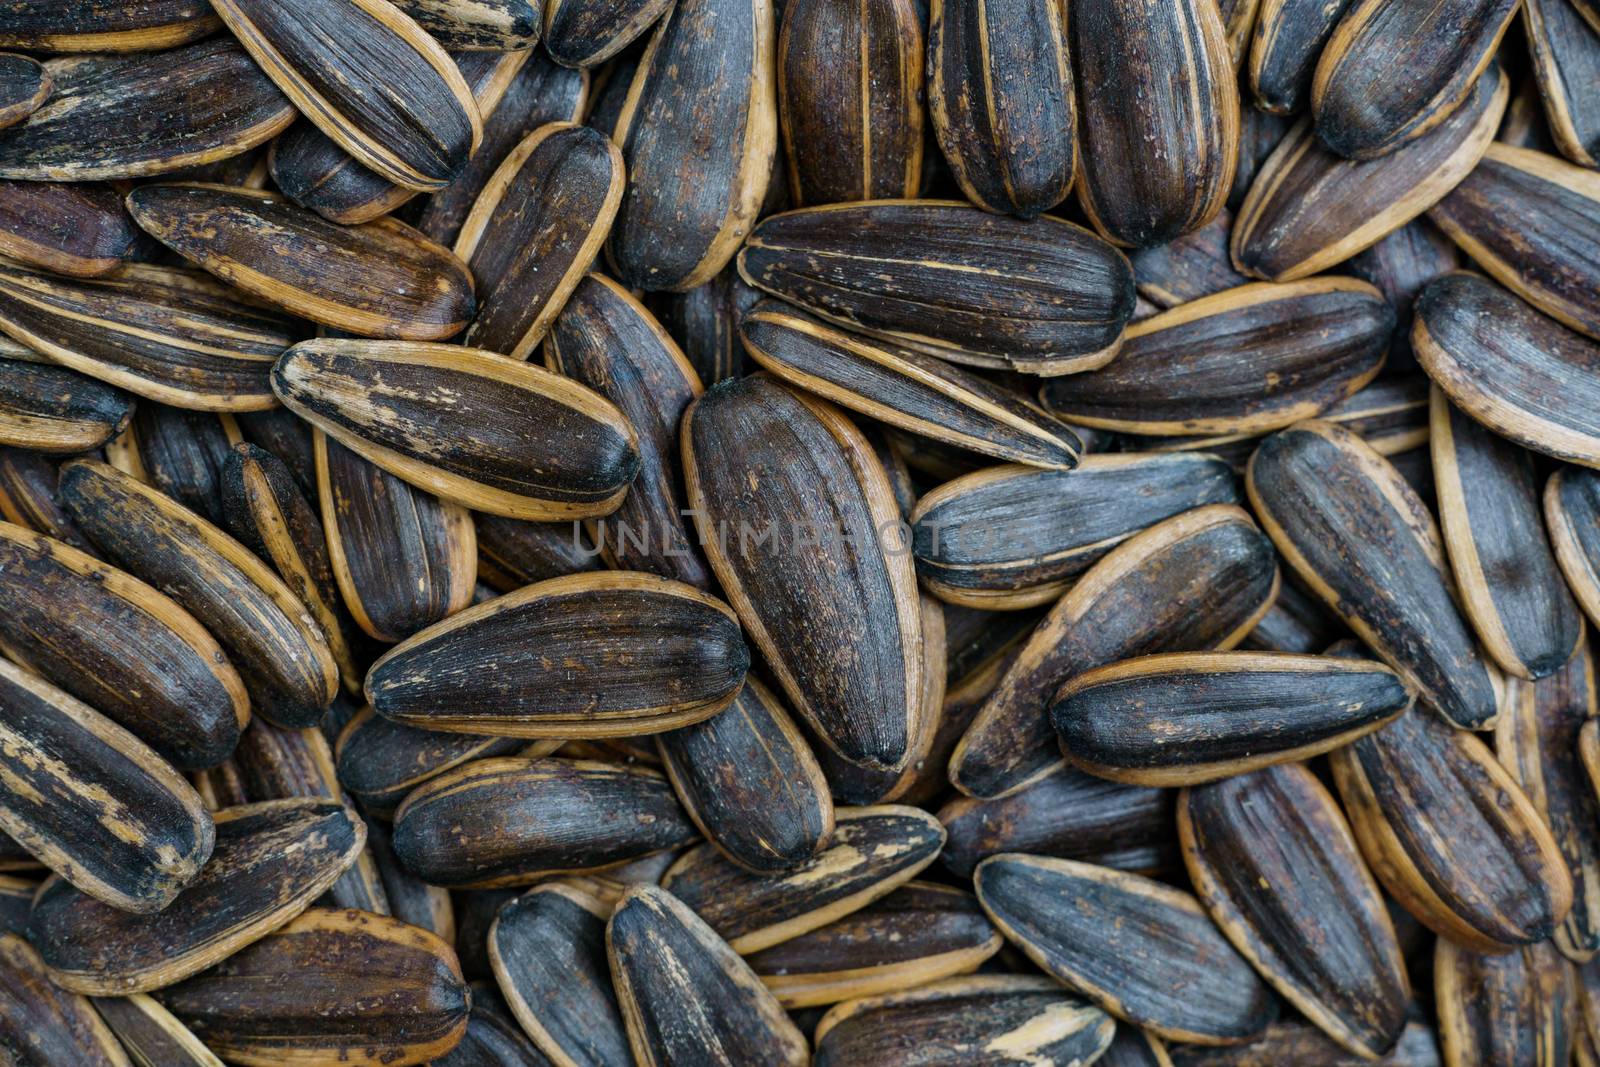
1515	1007
1391	414
1145	952
465	424
1566	57
1000	99
850	99
1289	36
1293	1041
705	322
382	279
275	642
380	761
1296	622
92	802
1159	117
163	333
145	114
1247	360
1572	515
411	900
1309	208
548	952
1451	836
919	933
42	1025
750	783
874	851
904	388
536	227
698	131
78	228
471	25
493	1038
1537	740
182	453
330	986
121	647
686	660
371	79
28	499
1530	220
1182	718
605	339
1273	860
52	409
145	25
1188	267
577	815
1362	110
1511	588
586	33
270	862
151	1034
404	559
1367	546
1521	374
1041	296
1201	579
266	510
1015	537
797	520
513	553
1400	266
315	172
541	93
1067	814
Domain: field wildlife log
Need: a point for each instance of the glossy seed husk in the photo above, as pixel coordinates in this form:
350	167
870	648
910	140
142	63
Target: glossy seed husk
685	654
93	802
380	762
1531	221
697	131
1391	414
1511	588
1143	951
985	1021
152	1036
403	558
1538	741
1000	98
767	468
1309	208
1132	602
874	851
1273	860
145	25
1040	296
268	632
686	997
850	99
270	862
749	781
466	424
182	454
548	952
1484	873
1247	360
527	262
607	340
331	986
578	815
905	388
1289	36
920	933
1158	115
145	115
41	1024
103	636
1367	546
586	33
371	79
1566	56
77	228
1362	110
163	333
1011	537
471	25
1522	374
51	409
1515	1007
1183	718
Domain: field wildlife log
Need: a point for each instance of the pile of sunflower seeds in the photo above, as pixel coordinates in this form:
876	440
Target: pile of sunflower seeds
852	533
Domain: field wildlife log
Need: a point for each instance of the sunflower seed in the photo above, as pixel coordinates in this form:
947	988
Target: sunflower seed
52	409
1188	267
478	24
411	900
1292	1041
1391	414
1566	56
42	1025
79	229
182	454
513	553
1514	1007
144	25
586	33
151	1034
493	1038
380	761
28	497
1289	36
1400	266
